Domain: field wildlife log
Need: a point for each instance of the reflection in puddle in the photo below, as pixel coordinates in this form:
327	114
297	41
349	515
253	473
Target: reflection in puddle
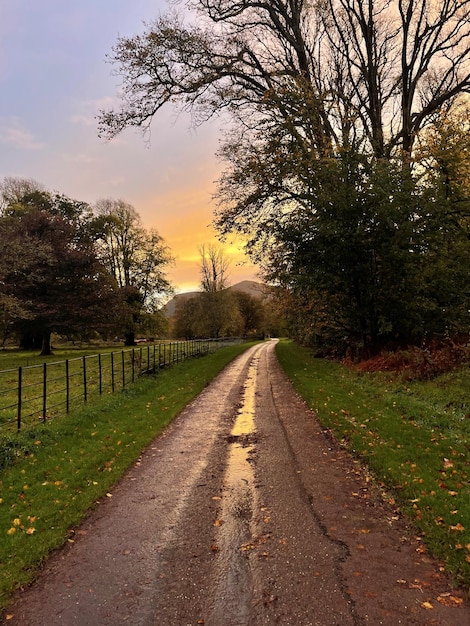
234	585
245	422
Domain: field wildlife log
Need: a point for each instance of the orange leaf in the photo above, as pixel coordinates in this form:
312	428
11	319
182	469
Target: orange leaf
426	605
448	600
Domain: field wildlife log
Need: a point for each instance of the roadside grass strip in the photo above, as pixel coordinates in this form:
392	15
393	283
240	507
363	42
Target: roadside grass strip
414	436
54	474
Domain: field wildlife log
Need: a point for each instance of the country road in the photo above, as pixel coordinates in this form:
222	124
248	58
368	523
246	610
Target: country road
244	512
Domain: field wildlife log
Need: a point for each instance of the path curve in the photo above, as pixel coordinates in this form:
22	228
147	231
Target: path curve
243	512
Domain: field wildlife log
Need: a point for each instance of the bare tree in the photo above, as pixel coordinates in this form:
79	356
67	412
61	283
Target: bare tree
380	68
214	268
404	60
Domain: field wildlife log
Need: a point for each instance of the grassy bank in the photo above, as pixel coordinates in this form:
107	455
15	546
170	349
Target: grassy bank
414	436
62	469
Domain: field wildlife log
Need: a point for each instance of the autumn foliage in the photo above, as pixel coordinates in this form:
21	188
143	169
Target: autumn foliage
419	363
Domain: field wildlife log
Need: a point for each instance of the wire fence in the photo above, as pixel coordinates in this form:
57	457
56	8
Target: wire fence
38	392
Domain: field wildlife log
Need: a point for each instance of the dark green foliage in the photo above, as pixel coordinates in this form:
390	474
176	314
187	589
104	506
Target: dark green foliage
57	283
379	260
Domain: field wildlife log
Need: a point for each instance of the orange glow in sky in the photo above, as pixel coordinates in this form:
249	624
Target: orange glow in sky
57	51
185	235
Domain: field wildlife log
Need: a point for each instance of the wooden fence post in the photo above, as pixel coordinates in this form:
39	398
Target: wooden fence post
100	373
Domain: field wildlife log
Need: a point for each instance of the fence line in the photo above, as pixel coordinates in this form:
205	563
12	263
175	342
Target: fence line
38	392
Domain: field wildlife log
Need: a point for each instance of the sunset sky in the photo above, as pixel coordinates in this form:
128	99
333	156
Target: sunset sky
54	80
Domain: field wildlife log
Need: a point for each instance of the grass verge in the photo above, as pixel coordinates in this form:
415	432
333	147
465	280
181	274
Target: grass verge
414	436
61	470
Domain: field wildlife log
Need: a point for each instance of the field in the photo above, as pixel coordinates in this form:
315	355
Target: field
413	436
35	388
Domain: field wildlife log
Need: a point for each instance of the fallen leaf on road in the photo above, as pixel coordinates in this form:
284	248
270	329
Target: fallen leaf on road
448	600
426	605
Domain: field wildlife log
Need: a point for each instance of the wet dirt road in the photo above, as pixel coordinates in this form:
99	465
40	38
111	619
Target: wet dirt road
244	512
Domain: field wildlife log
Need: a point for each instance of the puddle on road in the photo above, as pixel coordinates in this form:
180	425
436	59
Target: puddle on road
234	585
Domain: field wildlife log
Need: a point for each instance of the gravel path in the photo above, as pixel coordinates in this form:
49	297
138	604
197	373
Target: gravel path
243	512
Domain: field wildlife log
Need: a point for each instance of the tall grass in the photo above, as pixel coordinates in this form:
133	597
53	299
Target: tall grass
414	436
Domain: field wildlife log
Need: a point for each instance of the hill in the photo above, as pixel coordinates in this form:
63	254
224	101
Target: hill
251	287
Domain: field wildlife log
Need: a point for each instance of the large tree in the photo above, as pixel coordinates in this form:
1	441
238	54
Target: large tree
56	283
327	100
137	259
379	68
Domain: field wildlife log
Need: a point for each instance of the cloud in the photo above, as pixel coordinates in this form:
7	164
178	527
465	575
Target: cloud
81	159
14	133
83	120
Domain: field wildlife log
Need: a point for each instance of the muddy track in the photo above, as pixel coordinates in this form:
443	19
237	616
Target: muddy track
244	512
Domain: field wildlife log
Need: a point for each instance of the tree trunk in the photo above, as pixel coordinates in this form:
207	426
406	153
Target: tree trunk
129	338
46	344
31	340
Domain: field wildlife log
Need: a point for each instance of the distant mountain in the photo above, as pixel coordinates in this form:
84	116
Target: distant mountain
251	287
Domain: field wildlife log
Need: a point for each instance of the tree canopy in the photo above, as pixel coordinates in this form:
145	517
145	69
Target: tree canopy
51	278
137	259
326	171
66	270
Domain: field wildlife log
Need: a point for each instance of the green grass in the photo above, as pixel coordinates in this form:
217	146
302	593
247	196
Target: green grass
414	436
13	358
60	470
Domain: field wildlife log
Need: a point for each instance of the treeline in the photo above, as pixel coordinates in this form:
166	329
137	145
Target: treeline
76	270
347	159
220	311
227	313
